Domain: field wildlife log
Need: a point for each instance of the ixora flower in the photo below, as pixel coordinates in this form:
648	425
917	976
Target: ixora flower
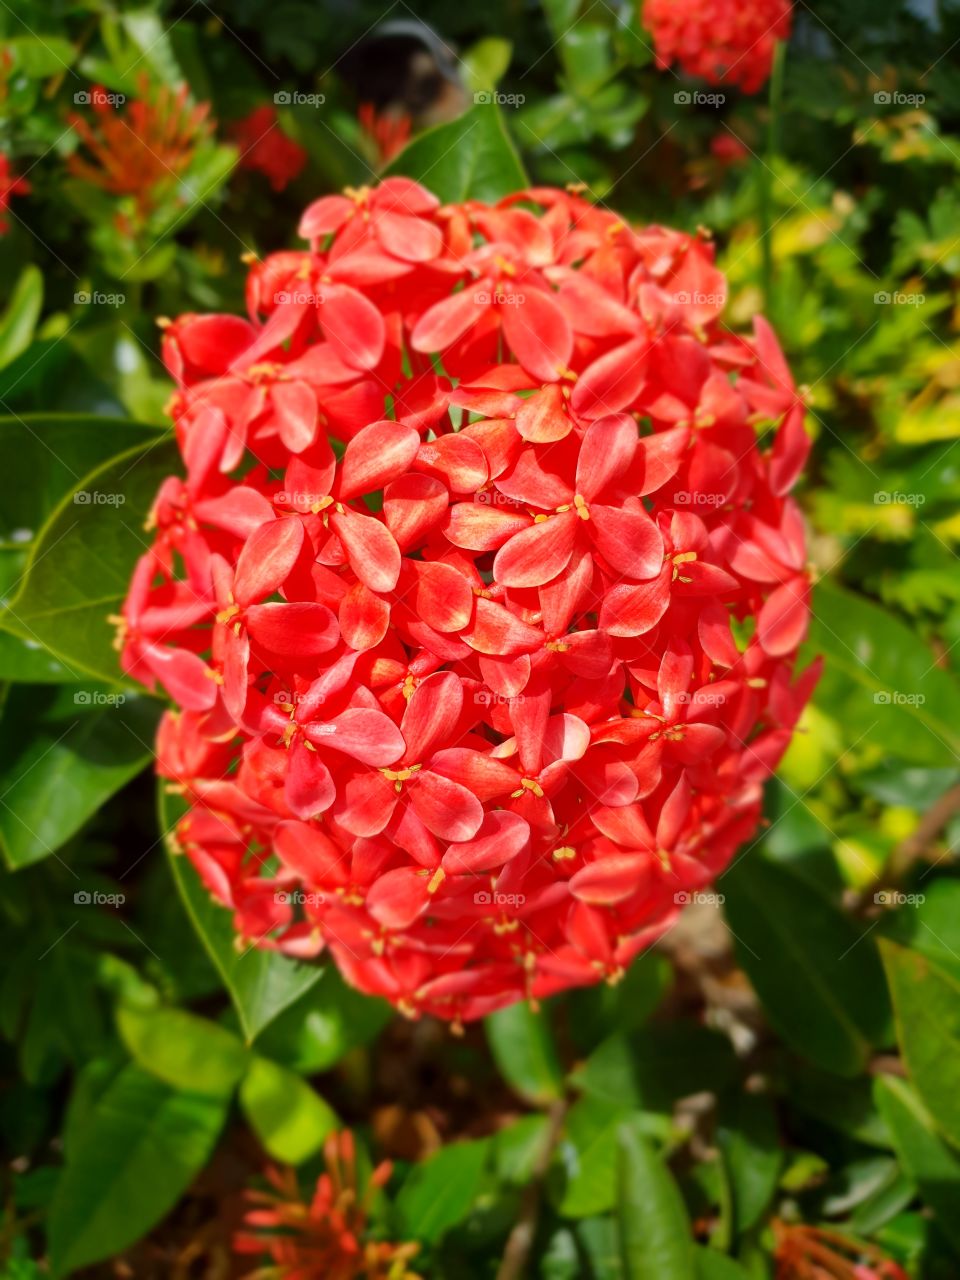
265	148
480	596
721	41
10	185
325	1235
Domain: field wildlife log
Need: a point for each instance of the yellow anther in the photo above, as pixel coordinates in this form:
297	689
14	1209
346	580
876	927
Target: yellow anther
228	614
564	853
583	511
436	880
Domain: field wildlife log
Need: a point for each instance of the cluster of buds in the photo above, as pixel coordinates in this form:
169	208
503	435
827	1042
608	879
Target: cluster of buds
481	594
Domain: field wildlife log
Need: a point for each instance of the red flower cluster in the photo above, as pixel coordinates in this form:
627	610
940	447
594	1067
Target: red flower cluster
265	148
478	694
721	41
819	1253
10	185
325	1237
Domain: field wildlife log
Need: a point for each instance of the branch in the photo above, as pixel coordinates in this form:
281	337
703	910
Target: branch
520	1240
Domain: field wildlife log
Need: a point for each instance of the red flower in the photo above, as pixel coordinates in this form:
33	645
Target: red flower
461	698
265	148
389	130
10	185
817	1253
325	1236
721	41
141	149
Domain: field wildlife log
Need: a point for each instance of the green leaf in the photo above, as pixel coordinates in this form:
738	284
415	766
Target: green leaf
19	320
818	976
588	1154
881	682
926	1006
931	925
323	1025
655	1067
183	1050
485	63
440	1192
598	1011
925	1157
655	1237
261	983
748	1139
38	56
287	1115
517	1148
63	752
712	1265
80	565
137	1151
471	158
523	1048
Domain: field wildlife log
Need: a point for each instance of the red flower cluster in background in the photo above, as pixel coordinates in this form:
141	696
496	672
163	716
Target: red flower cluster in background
10	185
477	695
265	148
721	41
324	1237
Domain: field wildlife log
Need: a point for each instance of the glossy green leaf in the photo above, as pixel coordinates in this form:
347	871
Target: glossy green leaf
881	682
588	1157
183	1050
261	983
658	1065
656	1242
749	1142
441	1191
712	1265
598	1011
925	1157
19	319
523	1048
63	752
137	1151
323	1025
818	976
471	158
287	1115
80	565
926	1006
485	63
930	925
40	55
